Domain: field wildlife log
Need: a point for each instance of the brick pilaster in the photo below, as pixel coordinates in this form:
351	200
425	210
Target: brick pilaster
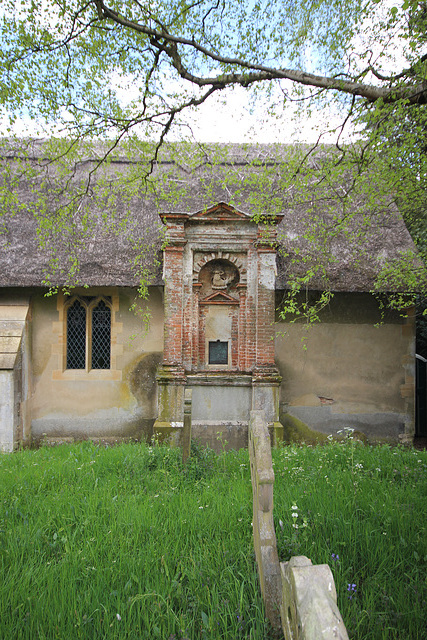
195	332
242	361
172	354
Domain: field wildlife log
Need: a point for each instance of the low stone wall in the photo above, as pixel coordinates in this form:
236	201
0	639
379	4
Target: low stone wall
298	596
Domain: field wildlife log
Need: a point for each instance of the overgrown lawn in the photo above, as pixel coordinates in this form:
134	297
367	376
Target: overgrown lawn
363	511
125	543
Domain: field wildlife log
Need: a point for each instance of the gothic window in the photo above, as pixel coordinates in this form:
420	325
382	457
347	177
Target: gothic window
101	336
88	333
76	336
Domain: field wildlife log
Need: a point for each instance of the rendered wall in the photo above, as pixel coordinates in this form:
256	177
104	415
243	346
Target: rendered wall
351	373
347	372
116	403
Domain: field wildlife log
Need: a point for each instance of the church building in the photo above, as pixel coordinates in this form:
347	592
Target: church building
95	360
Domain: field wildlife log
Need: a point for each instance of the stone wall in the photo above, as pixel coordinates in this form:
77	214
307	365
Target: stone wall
352	374
299	597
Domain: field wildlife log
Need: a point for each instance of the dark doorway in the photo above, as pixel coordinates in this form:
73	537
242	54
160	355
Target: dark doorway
420	397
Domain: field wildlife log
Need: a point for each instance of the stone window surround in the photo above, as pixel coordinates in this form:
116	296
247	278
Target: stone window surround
89	308
60	327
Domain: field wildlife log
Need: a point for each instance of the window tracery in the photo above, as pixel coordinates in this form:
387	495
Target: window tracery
88	333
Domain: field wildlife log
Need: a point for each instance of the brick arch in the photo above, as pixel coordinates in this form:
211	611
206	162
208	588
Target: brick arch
218	255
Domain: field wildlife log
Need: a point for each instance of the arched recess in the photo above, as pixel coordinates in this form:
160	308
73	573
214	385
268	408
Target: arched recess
218	316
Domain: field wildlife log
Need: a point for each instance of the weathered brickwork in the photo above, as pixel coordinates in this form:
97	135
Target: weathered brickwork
173	303
265	306
219	297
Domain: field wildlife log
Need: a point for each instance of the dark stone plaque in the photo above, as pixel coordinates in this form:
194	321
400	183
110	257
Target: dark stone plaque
218	352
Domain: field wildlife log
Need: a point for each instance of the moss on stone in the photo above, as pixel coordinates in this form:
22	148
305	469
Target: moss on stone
296	431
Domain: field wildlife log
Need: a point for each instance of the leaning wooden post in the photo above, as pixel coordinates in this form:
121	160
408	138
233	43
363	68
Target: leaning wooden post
186	432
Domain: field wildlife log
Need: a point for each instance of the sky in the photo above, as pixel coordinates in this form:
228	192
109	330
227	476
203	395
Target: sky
231	120
225	117
228	118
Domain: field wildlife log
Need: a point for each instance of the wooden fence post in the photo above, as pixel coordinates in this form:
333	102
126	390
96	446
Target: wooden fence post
186	431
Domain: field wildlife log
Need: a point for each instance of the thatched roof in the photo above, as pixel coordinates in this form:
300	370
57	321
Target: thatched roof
341	239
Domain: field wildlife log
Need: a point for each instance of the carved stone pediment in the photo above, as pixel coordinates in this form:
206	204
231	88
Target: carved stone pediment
219	213
219	297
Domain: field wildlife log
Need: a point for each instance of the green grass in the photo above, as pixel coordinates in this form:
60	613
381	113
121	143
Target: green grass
363	511
125	543
122	543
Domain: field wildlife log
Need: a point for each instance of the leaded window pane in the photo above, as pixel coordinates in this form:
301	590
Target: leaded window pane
76	336
101	336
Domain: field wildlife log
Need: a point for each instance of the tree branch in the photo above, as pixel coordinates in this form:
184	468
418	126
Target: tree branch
168	44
